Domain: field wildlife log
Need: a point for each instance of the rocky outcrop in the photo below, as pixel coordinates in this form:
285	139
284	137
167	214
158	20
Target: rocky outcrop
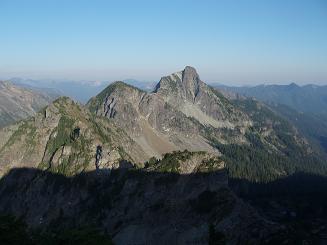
185	91
186	162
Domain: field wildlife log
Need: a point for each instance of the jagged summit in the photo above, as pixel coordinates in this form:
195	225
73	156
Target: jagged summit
185	84
191	82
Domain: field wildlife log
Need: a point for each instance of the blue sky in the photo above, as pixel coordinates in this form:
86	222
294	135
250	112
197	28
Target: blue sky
233	42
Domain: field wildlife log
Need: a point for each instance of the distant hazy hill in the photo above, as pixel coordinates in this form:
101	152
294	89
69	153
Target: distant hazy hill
308	98
146	86
17	102
312	126
80	91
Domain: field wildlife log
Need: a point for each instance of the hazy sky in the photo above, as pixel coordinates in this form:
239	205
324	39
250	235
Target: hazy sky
236	42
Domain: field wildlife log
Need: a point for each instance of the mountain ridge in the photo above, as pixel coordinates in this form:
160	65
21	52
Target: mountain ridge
307	98
17	102
64	137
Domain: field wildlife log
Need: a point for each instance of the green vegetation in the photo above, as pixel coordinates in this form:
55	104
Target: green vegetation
210	165
171	161
261	165
266	157
68	136
63	130
151	162
23	128
99	130
312	126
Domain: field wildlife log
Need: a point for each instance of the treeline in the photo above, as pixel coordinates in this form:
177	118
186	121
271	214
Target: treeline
259	165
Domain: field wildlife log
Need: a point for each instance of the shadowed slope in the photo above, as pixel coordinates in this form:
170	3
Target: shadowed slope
134	206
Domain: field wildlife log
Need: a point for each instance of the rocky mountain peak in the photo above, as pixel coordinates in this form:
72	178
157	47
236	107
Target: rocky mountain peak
115	91
191	82
190	75
185	84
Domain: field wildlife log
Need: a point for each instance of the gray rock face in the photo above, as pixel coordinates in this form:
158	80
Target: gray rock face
172	117
195	99
191	82
185	83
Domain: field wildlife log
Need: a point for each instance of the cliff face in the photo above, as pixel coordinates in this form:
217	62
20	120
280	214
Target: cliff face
185	91
65	138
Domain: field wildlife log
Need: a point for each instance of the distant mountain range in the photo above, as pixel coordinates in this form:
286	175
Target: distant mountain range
80	91
308	98
146	86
